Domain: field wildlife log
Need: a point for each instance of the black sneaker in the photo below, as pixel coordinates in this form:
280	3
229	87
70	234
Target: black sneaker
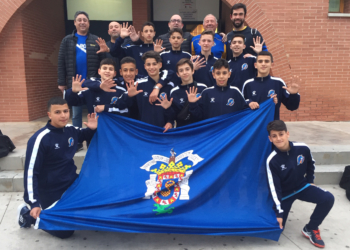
314	237
79	147
23	216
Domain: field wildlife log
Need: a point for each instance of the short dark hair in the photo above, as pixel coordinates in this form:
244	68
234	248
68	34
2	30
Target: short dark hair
264	53
207	32
127	59
152	54
108	61
221	63
55	101
80	12
239	35
176	30
148	24
239	6
182	62
276	125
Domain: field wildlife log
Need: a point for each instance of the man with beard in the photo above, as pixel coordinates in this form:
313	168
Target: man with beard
176	22
238	15
210	23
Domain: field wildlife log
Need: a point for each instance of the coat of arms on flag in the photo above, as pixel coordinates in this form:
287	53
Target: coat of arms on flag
169	182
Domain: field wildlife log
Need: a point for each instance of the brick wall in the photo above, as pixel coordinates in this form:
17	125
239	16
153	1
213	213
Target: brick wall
43	30
308	43
141	10
29	44
13	92
346	6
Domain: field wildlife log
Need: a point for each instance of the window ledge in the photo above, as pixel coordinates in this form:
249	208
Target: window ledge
339	14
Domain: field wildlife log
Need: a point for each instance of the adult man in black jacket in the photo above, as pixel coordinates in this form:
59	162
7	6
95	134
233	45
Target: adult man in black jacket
78	55
176	22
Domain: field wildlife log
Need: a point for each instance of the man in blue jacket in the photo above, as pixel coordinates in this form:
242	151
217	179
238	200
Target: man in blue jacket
49	167
264	87
290	172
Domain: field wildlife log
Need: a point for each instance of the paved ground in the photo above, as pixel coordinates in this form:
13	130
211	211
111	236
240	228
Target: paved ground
335	231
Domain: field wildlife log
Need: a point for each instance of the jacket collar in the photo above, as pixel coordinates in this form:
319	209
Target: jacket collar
176	51
211	56
285	152
238	57
222	88
187	86
52	128
262	79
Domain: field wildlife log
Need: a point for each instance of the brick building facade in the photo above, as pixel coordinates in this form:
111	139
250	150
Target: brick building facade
304	40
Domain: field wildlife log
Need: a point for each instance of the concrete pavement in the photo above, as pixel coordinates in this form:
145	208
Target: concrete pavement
335	231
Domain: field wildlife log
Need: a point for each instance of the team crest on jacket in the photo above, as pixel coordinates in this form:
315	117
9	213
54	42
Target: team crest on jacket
271	93
114	100
162	96
169	181
211	69
182	100
300	159
244	66
230	102
70	142
198	95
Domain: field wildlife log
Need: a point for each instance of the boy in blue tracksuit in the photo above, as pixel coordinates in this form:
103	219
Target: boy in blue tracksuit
264	86
178	106
49	167
139	93
219	99
241	68
290	171
204	75
171	57
92	95
136	51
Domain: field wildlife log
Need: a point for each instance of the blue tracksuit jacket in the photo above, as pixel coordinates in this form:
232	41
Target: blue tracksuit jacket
49	166
217	101
289	172
259	89
204	75
241	69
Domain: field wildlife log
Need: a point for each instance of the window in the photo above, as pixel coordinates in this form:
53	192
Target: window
336	6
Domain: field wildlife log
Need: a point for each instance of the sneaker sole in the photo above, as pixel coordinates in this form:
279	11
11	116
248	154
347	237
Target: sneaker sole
313	243
19	211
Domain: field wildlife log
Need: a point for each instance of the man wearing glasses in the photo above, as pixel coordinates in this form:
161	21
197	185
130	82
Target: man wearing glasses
176	22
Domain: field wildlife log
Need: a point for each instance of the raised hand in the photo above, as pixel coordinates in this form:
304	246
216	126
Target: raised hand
92	121
258	44
124	31
164	102
293	87
106	85
167	127
198	62
103	46
275	100
132	89
157	47
134	36
192	95
254	105
77	84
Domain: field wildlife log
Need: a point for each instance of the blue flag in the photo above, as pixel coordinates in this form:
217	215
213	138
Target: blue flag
205	178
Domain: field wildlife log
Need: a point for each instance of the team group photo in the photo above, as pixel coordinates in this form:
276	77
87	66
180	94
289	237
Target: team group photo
184	124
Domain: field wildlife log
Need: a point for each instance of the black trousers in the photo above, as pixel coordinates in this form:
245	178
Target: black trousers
323	199
46	201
